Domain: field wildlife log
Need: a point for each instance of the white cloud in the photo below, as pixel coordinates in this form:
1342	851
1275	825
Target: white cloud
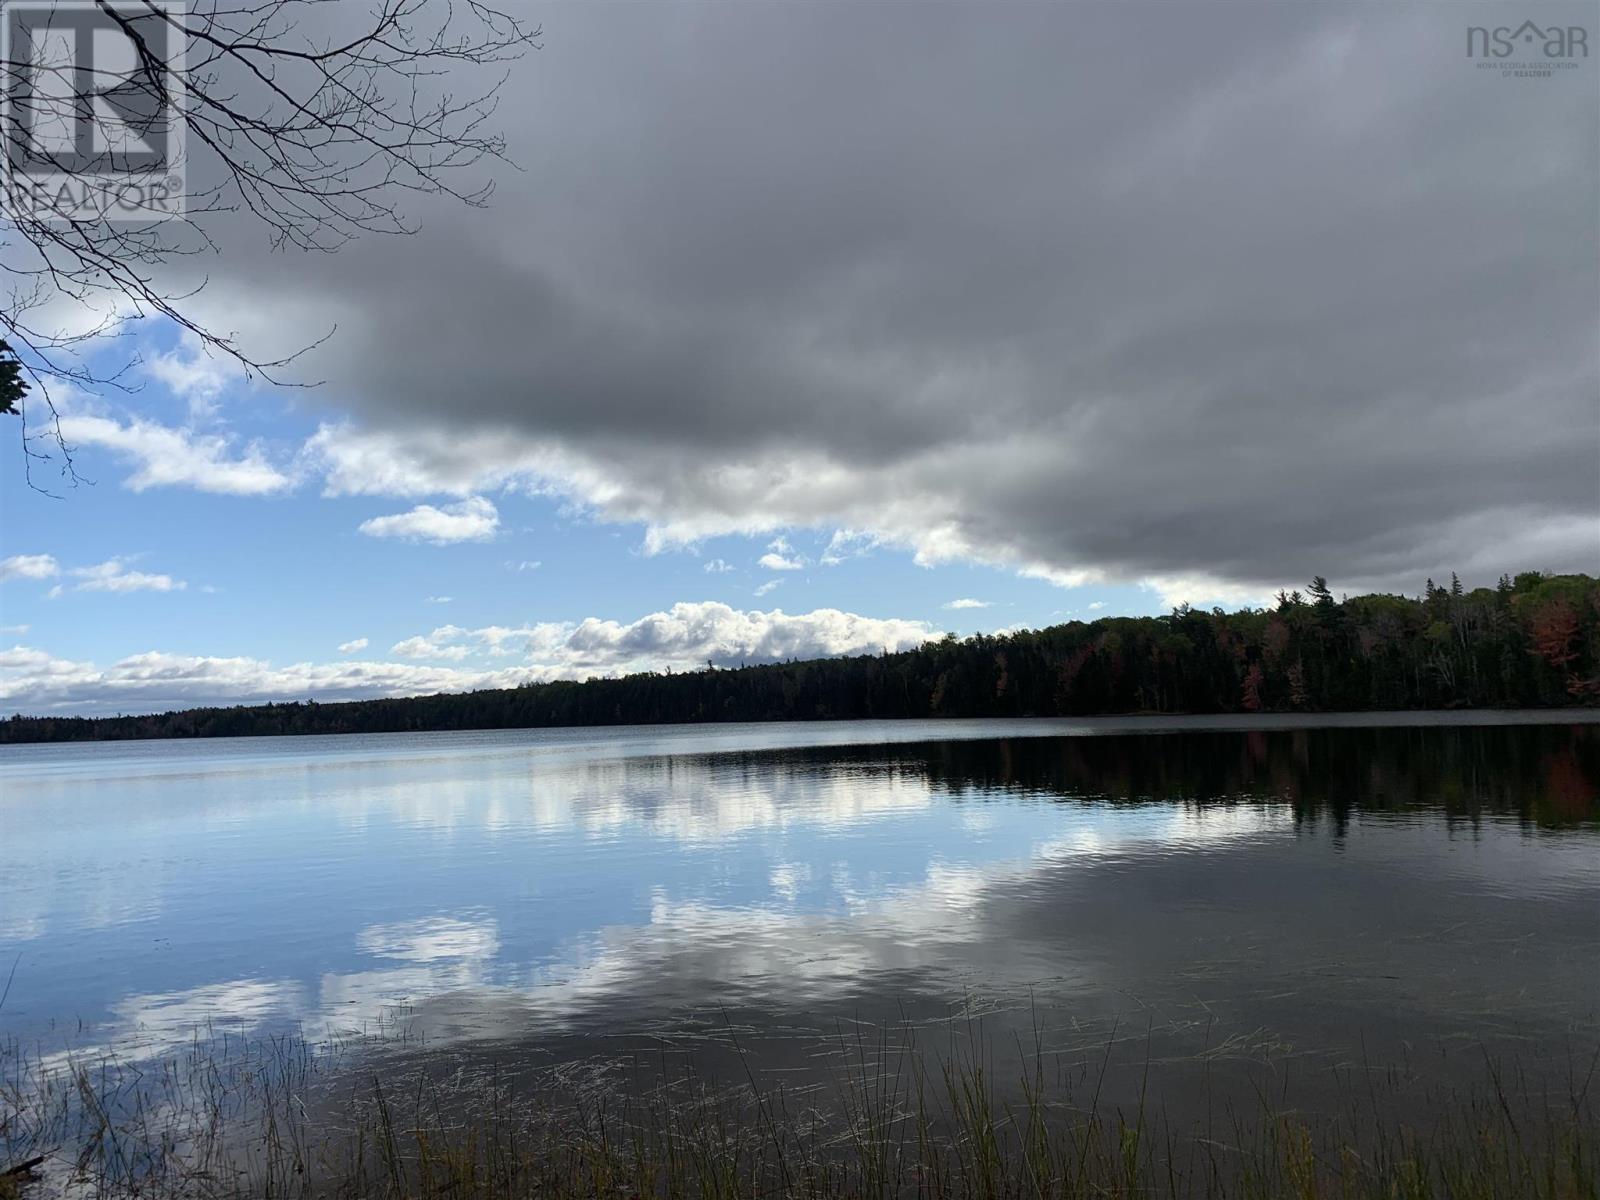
846	544
684	637
780	556
691	633
718	567
526	565
14	630
29	566
1204	589
437	599
474	519
777	562
438	644
768	586
356	462
166	456
34	681
967	603
194	374
1096	605
352	646
453	643
114	576
500	640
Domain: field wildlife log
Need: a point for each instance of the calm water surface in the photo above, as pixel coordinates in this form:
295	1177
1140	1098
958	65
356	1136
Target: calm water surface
1392	888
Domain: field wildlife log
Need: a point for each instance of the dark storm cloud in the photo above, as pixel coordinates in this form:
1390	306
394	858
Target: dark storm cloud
1207	292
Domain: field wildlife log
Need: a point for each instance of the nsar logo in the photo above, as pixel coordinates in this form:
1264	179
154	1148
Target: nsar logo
1553	41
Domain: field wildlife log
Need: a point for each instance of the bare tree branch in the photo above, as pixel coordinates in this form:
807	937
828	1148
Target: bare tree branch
312	118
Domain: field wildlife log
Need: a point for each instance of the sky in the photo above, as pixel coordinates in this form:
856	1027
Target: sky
810	329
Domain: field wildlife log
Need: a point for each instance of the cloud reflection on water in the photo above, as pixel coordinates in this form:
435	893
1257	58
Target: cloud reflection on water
506	896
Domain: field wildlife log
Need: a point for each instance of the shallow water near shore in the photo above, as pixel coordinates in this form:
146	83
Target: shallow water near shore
1295	902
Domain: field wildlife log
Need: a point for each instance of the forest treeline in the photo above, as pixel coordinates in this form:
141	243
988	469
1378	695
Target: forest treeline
1530	642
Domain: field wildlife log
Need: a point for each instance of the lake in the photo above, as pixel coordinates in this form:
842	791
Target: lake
1307	892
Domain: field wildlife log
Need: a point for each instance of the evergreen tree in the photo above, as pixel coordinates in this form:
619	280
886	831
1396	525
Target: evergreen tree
12	385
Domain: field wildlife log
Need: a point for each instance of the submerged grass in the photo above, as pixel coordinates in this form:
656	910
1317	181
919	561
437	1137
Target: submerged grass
884	1117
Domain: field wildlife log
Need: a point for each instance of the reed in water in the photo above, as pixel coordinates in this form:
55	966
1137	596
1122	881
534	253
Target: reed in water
278	1117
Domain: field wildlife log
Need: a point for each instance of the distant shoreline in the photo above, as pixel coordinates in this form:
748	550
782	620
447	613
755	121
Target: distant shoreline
1530	644
964	728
